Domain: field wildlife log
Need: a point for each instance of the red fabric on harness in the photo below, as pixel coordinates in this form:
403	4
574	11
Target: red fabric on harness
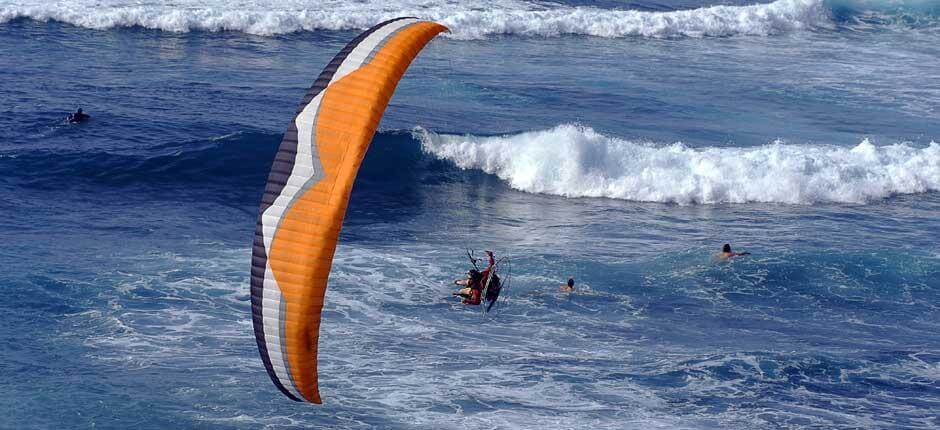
477	289
474	298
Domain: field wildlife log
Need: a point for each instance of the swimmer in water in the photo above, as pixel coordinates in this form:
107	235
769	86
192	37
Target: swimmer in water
78	116
726	253
567	288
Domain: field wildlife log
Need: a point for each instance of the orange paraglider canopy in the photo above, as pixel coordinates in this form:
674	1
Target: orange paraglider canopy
307	193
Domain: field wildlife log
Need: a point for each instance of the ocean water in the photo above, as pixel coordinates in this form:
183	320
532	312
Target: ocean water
619	142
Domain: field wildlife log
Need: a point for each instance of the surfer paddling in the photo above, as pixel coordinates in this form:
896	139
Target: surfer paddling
77	117
727	253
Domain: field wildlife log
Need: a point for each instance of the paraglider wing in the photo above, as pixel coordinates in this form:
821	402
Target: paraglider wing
307	192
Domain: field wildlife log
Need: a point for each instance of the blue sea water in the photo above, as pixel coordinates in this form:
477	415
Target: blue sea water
620	143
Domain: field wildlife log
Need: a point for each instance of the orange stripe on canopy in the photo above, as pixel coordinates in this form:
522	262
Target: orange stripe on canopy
298	253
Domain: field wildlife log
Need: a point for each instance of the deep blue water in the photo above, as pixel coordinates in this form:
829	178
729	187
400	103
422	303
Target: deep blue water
127	238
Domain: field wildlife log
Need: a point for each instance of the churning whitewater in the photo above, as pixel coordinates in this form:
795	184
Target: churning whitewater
576	161
465	19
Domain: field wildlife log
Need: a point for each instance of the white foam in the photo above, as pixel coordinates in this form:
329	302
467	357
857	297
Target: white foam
467	20
575	161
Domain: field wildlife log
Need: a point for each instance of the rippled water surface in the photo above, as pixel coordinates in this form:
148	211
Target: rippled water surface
620	143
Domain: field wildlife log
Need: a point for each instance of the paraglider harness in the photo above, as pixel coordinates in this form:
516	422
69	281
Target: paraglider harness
489	295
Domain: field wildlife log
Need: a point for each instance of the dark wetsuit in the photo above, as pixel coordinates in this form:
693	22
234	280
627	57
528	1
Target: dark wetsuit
78	117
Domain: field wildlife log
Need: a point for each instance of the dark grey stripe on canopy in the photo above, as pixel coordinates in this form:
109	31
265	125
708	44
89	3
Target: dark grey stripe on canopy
281	170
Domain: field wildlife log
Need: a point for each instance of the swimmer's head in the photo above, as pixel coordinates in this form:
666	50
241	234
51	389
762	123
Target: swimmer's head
571	282
726	248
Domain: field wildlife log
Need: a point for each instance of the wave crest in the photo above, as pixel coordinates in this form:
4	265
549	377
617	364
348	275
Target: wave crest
575	161
466	20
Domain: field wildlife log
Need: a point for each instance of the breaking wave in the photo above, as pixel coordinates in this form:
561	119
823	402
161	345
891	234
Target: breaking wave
467	20
575	161
885	14
567	160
